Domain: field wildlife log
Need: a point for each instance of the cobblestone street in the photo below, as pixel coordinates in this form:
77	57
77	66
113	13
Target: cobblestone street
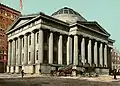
42	80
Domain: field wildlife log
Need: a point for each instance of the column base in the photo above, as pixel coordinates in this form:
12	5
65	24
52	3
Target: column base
28	69
100	65
80	64
8	69
12	69
93	65
97	70
17	69
105	71
102	71
87	65
37	69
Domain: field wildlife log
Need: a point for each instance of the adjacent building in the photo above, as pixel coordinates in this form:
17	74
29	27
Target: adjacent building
39	43
115	59
7	16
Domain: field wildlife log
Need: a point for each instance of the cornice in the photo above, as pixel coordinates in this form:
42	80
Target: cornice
9	8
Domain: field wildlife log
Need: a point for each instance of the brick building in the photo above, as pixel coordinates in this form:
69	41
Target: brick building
7	16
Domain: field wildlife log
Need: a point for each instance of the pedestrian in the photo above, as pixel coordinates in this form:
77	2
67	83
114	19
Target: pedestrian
114	72
22	73
39	71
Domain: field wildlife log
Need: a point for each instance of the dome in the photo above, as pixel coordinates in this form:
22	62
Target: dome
68	15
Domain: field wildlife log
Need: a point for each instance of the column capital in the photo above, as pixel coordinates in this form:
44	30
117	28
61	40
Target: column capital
51	31
35	30
21	36
10	40
58	33
15	38
70	35
26	34
65	35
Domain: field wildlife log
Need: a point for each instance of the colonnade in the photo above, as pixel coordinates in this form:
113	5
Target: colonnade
22	50
93	52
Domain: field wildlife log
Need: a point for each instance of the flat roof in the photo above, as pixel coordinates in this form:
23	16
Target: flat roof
10	8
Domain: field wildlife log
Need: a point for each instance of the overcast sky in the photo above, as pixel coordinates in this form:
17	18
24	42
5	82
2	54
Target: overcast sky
105	12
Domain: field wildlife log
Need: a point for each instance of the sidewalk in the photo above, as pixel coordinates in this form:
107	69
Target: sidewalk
102	78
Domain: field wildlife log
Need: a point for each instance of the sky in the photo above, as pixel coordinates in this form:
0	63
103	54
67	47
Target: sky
105	12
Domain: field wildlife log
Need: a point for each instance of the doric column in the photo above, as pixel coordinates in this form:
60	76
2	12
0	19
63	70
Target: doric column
19	51
101	54
16	45
68	50
51	48
9	53
71	50
13	53
89	52
32	48
83	50
95	53
26	49
60	50
105	55
40	48
75	62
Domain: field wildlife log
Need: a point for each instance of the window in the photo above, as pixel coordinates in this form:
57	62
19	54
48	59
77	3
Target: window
30	40
37	37
29	55
37	55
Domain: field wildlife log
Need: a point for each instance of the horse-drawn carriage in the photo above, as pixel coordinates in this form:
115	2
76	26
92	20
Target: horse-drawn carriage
66	70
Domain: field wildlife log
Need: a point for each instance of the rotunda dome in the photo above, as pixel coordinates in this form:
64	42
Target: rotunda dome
68	15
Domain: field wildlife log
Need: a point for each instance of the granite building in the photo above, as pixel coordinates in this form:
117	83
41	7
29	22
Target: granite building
38	43
7	16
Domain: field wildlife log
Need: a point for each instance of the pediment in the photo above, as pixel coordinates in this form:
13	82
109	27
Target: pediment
19	21
95	26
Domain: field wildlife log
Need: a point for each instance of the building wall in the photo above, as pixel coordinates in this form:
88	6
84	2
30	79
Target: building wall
7	16
115	59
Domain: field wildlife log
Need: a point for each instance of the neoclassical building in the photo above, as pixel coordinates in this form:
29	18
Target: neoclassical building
38	43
